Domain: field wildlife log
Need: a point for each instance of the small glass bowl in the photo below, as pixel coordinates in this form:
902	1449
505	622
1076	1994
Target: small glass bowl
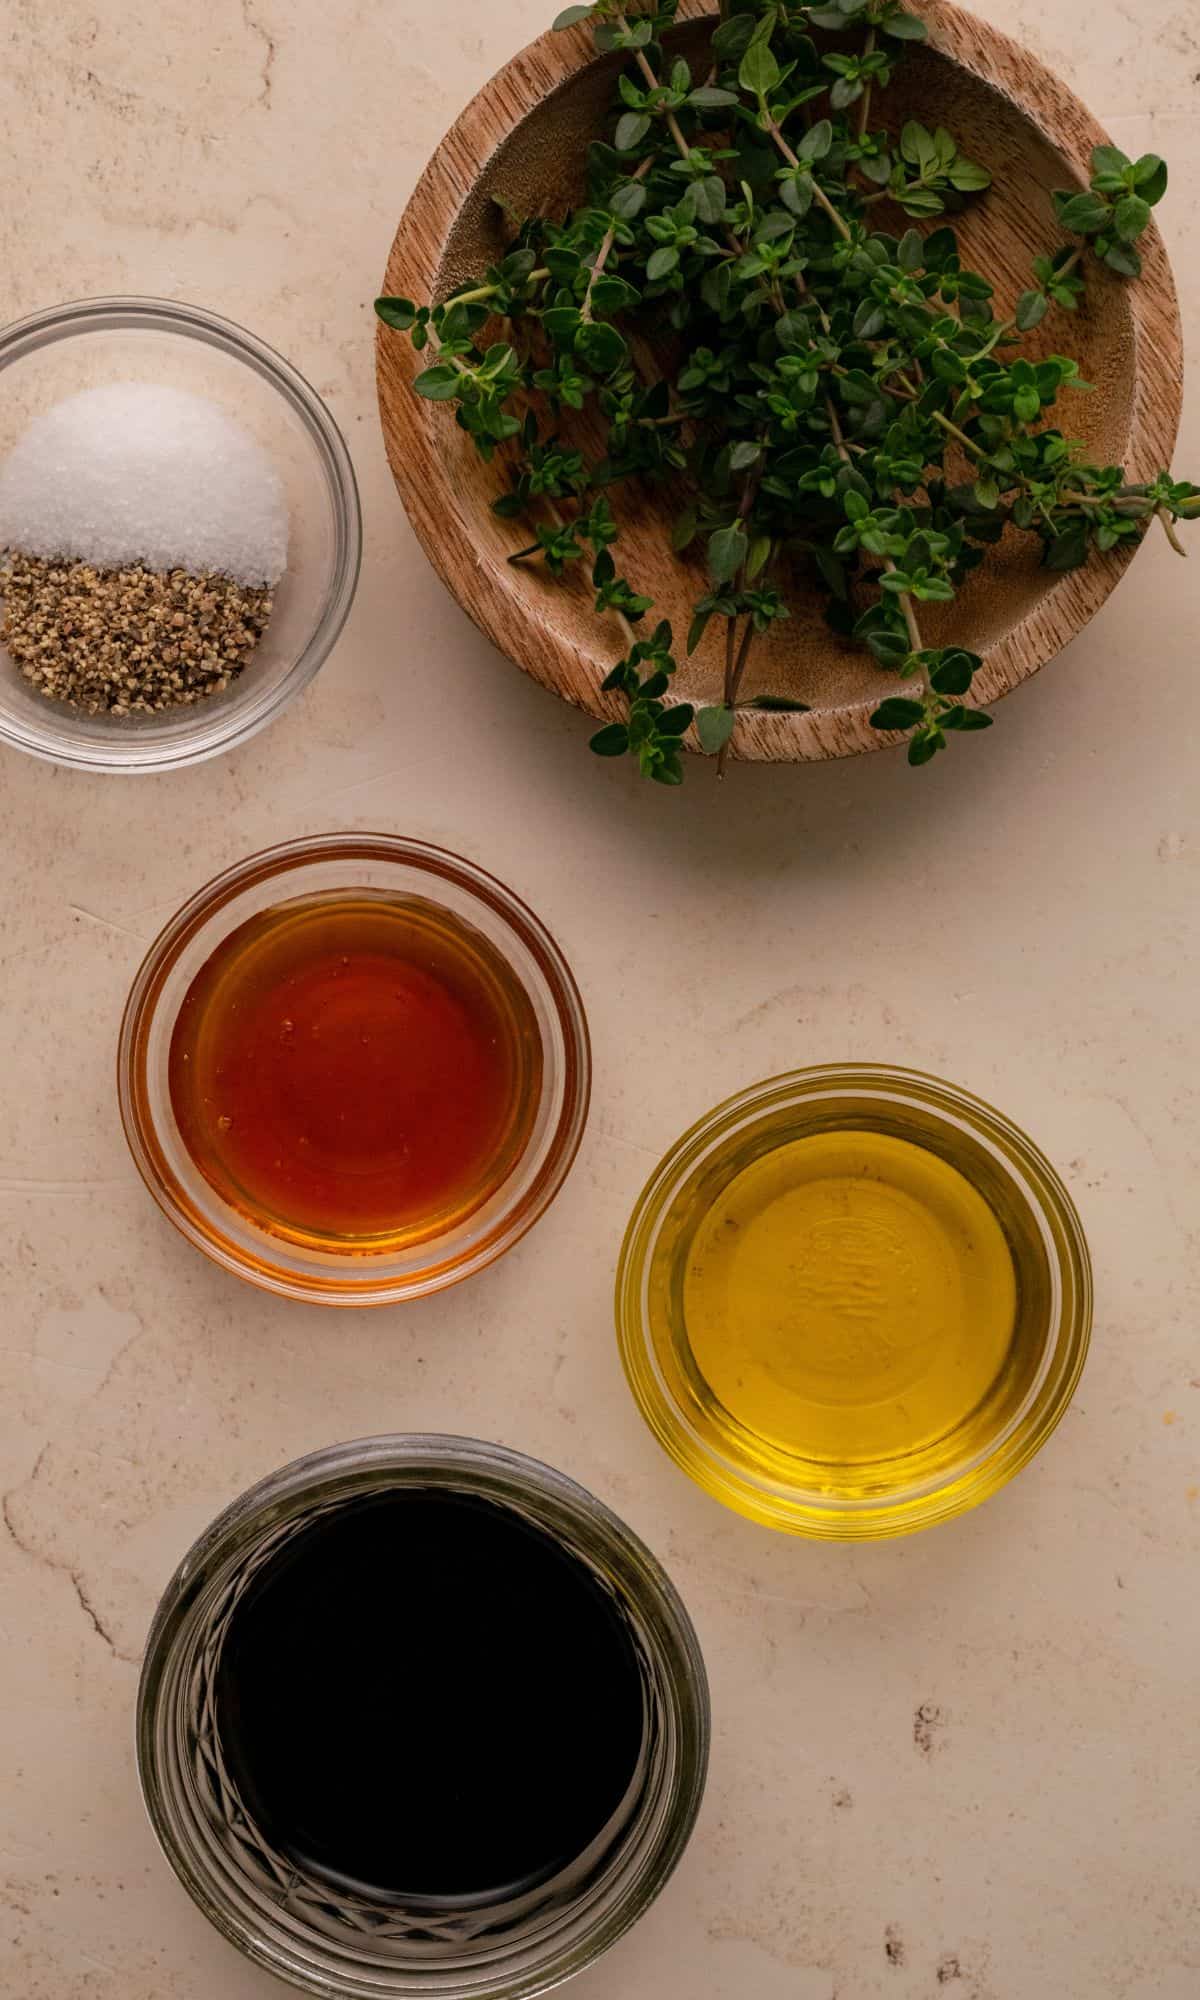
321	864
94	342
1026	1197
333	1944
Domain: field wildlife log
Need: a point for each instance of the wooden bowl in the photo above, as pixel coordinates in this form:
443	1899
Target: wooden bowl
522	141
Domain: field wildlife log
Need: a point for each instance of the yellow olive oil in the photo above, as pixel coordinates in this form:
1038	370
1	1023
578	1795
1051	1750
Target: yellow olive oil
846	1309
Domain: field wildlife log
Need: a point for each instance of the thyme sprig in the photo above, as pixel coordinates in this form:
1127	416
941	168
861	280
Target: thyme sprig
843	401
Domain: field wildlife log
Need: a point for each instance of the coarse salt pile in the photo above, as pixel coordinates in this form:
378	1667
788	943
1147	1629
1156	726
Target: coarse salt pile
142	533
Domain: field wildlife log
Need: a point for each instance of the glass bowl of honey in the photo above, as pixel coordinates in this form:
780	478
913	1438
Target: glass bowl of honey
853	1301
354	1069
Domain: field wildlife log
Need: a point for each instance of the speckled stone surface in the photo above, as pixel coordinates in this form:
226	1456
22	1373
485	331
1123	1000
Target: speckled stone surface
962	1765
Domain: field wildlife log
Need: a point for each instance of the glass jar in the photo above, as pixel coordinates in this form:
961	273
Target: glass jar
338	1944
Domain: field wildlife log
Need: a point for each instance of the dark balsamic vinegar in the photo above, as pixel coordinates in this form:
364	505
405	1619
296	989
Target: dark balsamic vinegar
423	1695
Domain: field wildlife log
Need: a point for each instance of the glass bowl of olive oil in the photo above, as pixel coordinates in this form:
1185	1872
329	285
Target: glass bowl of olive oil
853	1301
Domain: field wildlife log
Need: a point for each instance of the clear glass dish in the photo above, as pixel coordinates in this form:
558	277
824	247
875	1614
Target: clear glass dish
805	1492
56	353
356	1275
343	1945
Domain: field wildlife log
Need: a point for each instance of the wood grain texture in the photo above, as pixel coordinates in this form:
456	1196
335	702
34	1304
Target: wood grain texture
524	138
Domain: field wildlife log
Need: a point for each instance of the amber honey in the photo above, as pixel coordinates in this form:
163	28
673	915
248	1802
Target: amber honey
356	1068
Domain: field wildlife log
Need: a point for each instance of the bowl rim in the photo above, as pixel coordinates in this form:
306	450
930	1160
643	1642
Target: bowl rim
526	633
803	1511
279	1275
115	313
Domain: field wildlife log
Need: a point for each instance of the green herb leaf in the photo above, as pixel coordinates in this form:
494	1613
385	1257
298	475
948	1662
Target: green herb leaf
898	713
707	97
1069	549
817	142
1132	217
759	556
400	313
967	176
611	741
1087	214
917	146
905	27
631	130
911	254
628	201
438	384
570	15
953	673
731	40
601	346
710	198
714	727
727	551
950	367
925	746
1150	178
1032	308
684	529
759	71
1124	259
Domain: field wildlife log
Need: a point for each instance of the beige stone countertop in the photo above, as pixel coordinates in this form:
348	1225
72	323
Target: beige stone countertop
964	1764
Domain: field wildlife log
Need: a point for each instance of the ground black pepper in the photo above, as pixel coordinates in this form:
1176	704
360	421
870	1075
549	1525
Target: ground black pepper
127	641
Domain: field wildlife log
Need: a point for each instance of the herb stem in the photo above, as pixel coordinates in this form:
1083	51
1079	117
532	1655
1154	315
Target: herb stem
910	613
610	237
864	114
735	683
481	293
559	520
743	656
915	640
1169	531
672	122
958	435
819	195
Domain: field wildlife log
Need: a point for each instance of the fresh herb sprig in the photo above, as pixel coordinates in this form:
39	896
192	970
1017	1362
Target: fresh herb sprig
844	402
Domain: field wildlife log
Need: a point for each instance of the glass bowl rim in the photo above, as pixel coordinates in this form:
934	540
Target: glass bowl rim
114	313
805	1511
362	1465
278	860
